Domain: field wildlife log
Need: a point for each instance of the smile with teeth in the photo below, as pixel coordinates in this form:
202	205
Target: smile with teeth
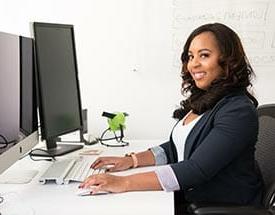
198	75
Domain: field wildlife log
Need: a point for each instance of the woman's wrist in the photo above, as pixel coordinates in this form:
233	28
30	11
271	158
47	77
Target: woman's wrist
129	161
134	159
127	183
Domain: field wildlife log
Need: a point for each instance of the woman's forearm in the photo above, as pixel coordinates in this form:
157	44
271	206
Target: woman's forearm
145	158
142	181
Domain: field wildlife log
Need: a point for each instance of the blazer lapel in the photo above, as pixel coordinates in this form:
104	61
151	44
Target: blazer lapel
203	123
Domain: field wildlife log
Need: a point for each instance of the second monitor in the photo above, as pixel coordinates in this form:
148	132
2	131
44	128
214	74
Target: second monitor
58	86
22	83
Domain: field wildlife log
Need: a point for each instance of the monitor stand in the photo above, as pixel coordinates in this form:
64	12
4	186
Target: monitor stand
54	149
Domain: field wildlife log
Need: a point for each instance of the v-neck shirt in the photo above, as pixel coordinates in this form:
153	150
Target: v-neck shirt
180	134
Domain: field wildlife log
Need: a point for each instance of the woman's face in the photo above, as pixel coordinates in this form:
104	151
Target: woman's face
203	58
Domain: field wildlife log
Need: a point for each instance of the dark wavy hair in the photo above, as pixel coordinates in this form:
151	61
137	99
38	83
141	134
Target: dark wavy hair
237	72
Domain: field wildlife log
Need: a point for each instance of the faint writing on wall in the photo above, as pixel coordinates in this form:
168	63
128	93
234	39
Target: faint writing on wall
252	20
254	13
263	59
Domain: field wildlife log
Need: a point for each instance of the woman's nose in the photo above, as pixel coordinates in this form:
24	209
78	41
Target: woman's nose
194	62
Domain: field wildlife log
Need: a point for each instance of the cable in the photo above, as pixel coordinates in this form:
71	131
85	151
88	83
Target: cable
6	142
42	159
4	138
119	139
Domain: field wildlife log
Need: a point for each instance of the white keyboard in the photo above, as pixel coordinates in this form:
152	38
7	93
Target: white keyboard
67	170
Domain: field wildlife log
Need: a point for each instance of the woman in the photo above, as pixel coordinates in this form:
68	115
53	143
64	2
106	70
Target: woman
210	154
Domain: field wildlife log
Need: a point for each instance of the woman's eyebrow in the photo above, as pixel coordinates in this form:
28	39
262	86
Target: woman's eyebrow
201	50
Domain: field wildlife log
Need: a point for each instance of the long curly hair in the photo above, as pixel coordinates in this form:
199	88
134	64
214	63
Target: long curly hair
237	72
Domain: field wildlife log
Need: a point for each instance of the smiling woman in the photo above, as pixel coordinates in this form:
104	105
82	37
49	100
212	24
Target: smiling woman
210	154
203	60
213	64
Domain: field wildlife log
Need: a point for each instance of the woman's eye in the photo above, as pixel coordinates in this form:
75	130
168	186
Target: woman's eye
190	57
204	55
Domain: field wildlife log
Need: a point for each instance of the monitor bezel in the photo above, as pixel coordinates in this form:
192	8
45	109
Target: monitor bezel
34	127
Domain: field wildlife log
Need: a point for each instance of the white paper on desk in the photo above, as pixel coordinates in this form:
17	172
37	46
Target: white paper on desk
91	152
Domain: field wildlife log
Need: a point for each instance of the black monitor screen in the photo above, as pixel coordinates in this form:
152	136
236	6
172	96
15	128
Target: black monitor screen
57	78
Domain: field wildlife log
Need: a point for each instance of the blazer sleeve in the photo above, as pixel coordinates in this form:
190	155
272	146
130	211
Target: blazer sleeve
167	149
234	128
170	151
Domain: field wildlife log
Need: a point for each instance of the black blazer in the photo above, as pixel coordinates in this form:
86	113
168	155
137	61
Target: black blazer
219	163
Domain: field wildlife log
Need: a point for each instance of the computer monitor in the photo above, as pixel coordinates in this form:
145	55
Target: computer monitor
9	87
58	86
24	81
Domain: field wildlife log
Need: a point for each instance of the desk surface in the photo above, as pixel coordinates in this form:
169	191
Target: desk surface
36	199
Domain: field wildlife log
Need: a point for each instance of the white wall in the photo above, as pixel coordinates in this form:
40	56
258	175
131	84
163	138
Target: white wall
128	50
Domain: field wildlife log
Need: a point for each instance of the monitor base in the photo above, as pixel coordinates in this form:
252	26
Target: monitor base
61	149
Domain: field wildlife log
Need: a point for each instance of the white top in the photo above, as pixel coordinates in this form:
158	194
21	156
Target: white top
180	134
165	174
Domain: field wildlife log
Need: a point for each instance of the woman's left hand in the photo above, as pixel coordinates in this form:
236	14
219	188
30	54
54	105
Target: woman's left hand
105	182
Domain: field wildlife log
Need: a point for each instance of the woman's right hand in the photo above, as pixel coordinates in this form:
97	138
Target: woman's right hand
116	163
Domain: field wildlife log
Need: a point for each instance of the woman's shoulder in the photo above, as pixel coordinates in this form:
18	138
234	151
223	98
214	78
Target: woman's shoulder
237	102
239	99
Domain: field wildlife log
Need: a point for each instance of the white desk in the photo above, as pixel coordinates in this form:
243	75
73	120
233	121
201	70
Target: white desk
36	199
